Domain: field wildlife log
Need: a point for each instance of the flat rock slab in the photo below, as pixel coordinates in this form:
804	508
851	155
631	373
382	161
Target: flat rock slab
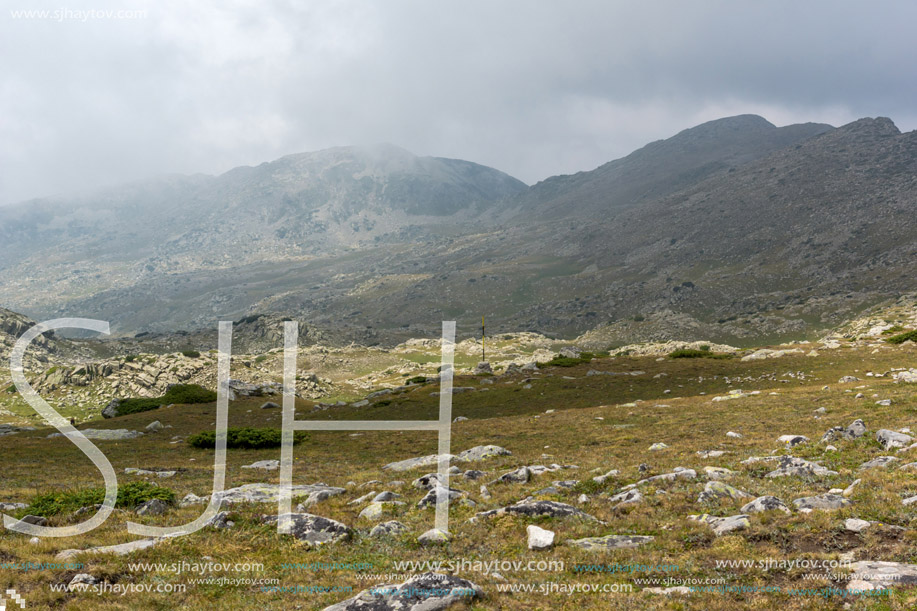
392	528
474	454
765	503
881	461
105	434
892	439
311	529
122	549
821	501
269	465
610	542
135	471
425	592
722	526
539	508
678	473
873	574
716	490
270	493
421	462
791	466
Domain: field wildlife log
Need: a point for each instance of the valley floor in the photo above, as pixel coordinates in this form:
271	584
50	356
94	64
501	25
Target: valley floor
665	416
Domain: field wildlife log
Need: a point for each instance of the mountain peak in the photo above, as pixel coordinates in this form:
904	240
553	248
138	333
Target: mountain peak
878	126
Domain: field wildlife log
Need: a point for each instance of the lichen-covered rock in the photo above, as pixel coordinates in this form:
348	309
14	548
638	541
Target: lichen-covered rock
765	503
532	508
311	529
610	542
426	592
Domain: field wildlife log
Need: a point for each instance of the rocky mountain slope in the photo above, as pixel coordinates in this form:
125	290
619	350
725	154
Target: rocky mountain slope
732	231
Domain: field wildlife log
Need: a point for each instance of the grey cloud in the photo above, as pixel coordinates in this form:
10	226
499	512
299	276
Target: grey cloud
532	88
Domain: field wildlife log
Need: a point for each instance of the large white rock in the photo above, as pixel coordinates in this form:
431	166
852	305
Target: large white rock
539	538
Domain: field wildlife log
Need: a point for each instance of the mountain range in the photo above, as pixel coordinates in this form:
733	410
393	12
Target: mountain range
732	230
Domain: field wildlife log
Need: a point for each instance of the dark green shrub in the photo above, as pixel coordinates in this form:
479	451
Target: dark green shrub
11	389
129	496
180	393
245	438
191	354
417	380
893	330
130	358
903	337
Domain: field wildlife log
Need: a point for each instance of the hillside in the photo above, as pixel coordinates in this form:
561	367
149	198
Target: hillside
734	231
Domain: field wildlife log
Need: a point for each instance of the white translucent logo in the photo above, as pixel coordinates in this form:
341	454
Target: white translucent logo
442	425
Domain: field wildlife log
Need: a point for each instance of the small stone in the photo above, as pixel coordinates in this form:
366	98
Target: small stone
734	435
269	405
539	538
658	446
434	536
153	507
856	525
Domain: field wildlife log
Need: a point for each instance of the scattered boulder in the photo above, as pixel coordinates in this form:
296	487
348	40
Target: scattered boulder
432	497
82	579
532	508
721	526
268	465
792	440
157	473
856	525
269	405
821	501
311	529
765	503
873	575
111	410
392	528
891	439
628	497
715	490
153	507
270	493
881	461
610	542
425	592
538	538
718	473
220	521
519	476
658	446
105	434
478	453
434	536
154	426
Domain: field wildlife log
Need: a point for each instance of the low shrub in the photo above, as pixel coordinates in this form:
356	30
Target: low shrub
903	337
244	438
129	496
180	393
417	380
191	354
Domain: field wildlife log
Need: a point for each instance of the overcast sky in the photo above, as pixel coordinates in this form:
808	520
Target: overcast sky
532	87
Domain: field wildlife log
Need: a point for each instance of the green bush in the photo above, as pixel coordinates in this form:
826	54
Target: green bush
245	438
129	496
180	393
903	337
11	389
130	358
417	380
260	358
191	354
893	330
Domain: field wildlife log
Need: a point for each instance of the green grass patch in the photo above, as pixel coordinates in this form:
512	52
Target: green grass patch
129	496
567	361
244	438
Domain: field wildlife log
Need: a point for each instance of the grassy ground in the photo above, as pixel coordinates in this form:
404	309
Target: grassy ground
594	426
